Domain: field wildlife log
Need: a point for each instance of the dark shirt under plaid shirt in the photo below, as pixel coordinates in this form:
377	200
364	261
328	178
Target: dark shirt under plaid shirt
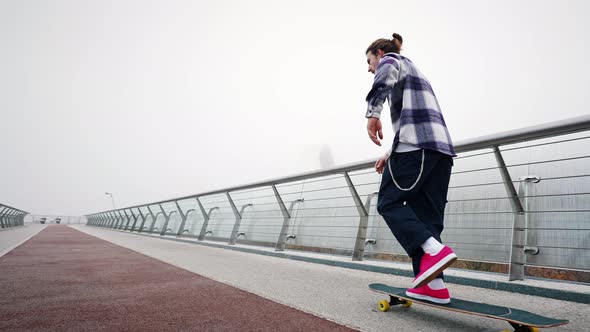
415	113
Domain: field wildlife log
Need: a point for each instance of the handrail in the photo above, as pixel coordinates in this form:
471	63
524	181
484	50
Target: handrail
11	217
567	126
12	208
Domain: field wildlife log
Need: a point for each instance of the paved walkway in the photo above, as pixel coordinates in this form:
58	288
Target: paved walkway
65	280
11	238
338	294
62	279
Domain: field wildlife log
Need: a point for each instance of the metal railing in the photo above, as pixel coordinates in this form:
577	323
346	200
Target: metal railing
11	217
519	198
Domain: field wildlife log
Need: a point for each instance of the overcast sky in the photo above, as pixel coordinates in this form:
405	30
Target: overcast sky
157	99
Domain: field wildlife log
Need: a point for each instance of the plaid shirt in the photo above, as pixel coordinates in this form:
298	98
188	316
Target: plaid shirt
415	114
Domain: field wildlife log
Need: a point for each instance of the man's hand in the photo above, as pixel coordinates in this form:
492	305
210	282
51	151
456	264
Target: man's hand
380	164
374	130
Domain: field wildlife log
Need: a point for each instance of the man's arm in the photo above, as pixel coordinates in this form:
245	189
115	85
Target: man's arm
385	79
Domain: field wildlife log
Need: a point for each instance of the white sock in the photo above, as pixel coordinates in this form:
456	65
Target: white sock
432	246
437	283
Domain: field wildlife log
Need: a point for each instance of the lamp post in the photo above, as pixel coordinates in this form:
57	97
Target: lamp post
112	199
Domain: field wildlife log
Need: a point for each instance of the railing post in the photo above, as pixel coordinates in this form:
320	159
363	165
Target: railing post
517	255
113	219
520	248
182	229
9	217
119	217
238	215
121	220
13	215
2	213
206	217
128	220
280	246
134	220
14	218
154	224
183	216
359	246
282	241
6	217
166	220
109	219
143	219
361	237
154	217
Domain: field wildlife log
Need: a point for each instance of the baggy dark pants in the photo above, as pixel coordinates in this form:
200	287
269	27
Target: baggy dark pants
416	215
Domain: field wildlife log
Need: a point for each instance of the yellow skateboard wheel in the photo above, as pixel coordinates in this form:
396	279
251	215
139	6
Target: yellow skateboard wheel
383	305
407	304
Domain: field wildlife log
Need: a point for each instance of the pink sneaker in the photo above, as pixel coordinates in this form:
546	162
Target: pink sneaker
431	266
440	296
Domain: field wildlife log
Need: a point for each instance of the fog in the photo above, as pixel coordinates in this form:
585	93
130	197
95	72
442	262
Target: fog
151	100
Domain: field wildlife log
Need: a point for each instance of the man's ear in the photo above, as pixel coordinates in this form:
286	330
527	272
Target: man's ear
380	53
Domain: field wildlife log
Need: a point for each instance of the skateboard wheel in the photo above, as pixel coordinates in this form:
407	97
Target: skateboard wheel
534	329
383	305
407	304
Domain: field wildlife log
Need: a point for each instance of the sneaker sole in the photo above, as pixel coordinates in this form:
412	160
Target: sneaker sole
428	298
434	271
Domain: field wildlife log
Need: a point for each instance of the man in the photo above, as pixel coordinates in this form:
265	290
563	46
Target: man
416	171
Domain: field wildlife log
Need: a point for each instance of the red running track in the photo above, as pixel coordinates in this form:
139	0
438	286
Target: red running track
66	280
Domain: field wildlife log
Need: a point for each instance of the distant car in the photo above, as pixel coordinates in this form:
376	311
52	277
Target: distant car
42	220
57	220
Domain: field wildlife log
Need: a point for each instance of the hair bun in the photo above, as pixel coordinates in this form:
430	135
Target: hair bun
398	37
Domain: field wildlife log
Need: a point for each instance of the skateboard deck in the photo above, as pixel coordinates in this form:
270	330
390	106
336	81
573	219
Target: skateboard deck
519	319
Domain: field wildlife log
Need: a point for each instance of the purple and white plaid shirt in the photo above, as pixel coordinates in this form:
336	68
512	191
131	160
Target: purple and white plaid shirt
415	114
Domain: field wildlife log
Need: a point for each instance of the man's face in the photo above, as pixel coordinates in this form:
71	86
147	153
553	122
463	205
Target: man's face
373	60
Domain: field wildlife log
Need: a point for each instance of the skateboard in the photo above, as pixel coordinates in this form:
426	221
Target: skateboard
519	319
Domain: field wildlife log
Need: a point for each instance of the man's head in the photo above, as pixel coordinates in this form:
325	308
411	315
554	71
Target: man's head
373	59
379	47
